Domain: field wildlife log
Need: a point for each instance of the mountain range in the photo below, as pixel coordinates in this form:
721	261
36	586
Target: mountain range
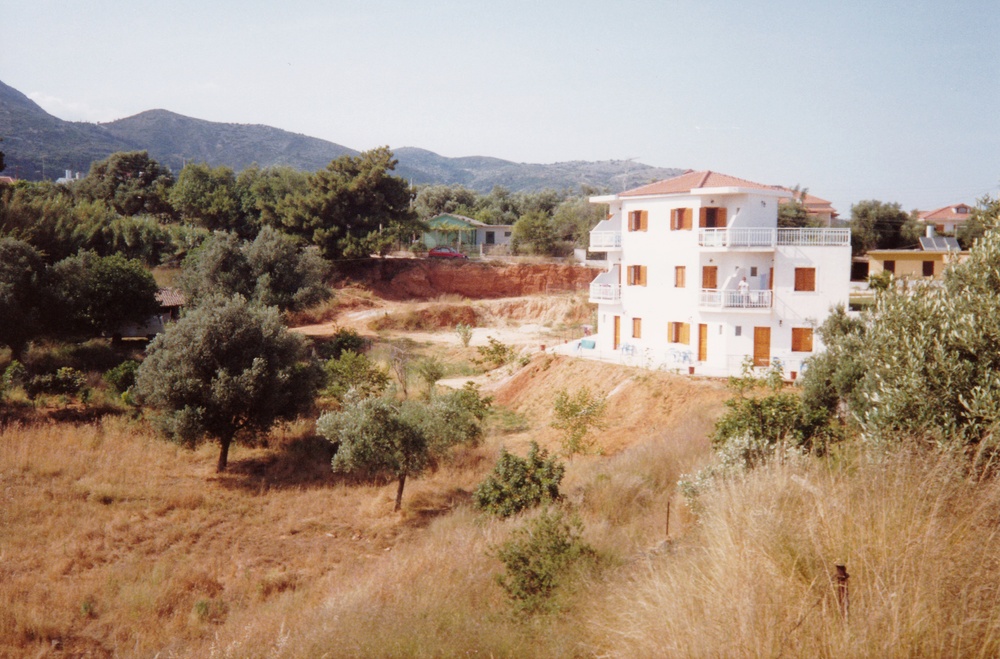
39	146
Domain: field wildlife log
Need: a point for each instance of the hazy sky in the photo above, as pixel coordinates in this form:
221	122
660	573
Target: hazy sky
854	99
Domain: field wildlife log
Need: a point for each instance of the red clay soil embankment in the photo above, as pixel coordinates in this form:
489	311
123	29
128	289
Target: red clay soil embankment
407	279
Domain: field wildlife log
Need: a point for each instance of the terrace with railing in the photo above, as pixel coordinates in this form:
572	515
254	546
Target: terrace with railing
716	299
765	238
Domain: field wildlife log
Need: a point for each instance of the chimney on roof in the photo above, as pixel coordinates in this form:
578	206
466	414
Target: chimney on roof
930	231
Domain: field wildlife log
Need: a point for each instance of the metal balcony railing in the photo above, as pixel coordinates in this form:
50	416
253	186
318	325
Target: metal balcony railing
759	237
605	292
735	300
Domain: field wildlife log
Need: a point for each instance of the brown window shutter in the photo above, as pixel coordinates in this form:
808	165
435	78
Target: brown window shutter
720	218
702	217
643	220
685	334
637	328
802	339
680	273
805	279
642	275
709	276
674	224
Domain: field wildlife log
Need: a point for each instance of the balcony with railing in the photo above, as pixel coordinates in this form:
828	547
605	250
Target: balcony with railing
766	238
606	287
605	241
726	299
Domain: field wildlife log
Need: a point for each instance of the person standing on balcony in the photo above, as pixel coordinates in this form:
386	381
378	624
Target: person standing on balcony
744	289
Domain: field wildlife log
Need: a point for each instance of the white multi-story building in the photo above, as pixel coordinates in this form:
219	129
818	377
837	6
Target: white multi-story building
700	277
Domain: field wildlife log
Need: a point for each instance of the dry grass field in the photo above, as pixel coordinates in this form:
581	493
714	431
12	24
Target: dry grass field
117	543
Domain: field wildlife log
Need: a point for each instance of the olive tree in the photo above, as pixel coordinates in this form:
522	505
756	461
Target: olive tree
226	370
383	436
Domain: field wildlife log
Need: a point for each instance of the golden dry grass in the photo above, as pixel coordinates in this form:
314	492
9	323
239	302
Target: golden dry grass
114	542
918	540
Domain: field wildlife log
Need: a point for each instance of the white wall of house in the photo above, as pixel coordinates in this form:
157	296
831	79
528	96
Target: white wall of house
721	324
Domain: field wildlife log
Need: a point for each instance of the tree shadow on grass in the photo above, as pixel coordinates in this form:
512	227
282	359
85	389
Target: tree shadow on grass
302	462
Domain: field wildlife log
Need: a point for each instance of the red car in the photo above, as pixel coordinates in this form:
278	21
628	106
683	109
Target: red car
446	253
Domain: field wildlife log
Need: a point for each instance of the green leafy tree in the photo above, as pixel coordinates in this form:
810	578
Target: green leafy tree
984	217
287	275
218	266
373	437
131	183
430	371
535	233
273	270
573	219
792	212
382	436
267	194
516	483
209	197
433	200
538	559
228	369
924	365
95	294
877	225
353	207
22	274
355	372
578	415
452	419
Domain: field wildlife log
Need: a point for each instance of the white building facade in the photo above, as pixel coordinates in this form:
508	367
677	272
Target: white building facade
700	278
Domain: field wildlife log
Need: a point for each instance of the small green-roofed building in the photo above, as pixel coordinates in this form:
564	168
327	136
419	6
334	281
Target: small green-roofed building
450	230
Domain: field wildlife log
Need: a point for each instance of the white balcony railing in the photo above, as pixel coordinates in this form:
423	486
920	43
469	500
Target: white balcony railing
605	292
758	237
602	241
815	237
735	300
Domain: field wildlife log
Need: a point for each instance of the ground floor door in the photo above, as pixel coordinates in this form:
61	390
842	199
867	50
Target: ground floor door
702	342
762	346
618	332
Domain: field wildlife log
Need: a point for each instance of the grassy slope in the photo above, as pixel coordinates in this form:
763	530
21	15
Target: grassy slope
115	542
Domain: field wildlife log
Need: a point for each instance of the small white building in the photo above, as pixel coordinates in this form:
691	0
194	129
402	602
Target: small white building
699	278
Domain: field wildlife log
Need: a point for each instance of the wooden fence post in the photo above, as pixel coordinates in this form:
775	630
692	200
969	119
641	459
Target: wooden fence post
843	596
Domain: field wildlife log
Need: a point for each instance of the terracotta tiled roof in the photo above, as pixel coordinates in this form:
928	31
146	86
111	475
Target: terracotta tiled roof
7	179
693	180
170	297
946	213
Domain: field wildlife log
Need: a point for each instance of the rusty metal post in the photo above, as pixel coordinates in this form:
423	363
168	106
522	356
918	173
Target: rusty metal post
843	596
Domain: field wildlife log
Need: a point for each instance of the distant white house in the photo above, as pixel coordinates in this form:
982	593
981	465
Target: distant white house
699	278
453	230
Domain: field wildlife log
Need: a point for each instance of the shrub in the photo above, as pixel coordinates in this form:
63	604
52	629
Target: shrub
537	558
464	333
430	370
122	377
520	483
66	380
576	416
495	353
15	375
354	371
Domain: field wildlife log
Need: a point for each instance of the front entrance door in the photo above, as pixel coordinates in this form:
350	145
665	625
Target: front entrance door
618	332
762	346
702	342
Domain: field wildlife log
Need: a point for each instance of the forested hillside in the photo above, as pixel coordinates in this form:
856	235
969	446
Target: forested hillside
40	146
